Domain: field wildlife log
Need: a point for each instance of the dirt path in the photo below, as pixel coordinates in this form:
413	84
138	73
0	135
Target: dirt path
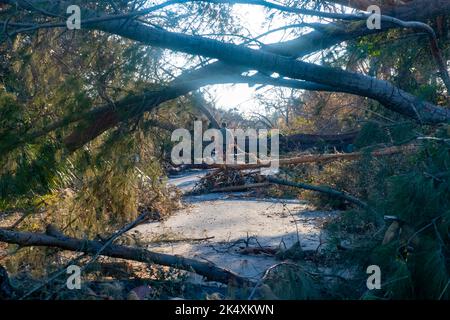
233	219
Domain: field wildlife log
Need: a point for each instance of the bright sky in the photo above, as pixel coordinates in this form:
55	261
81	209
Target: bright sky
241	96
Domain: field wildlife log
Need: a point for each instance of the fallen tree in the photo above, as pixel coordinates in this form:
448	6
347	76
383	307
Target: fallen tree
310	158
206	269
266	62
269	180
327	190
233	59
301	141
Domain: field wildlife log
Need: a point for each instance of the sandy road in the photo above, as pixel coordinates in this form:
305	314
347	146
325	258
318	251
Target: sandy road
232	219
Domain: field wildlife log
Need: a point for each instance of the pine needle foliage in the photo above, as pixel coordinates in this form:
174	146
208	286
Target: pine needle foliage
413	251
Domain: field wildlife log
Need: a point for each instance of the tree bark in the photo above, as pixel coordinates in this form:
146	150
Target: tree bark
307	141
244	58
310	158
327	190
206	269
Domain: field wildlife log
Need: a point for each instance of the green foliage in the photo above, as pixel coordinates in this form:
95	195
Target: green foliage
50	77
373	134
36	171
414	252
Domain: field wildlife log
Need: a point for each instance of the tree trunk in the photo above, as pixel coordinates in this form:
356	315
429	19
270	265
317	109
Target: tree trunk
206	269
310	158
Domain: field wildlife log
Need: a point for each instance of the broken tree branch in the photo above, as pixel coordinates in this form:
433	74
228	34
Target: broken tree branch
206	269
301	141
332	192
311	158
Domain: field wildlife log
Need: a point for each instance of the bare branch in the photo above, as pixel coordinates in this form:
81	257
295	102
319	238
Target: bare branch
206	269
